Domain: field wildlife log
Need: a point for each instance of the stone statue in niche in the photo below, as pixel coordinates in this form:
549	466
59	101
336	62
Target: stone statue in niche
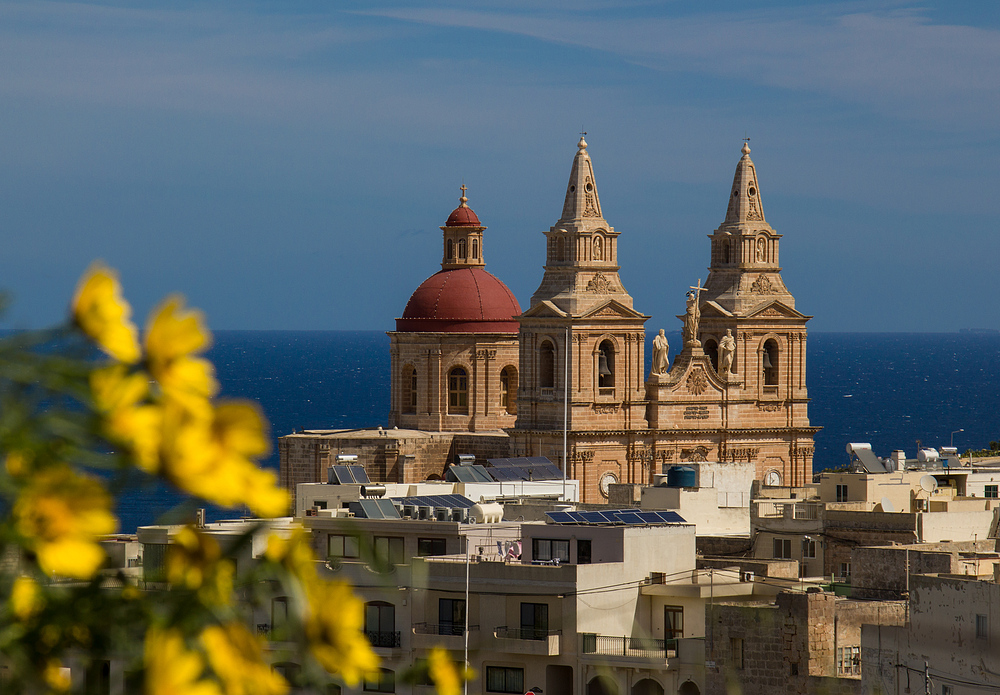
661	352
761	251
727	350
598	250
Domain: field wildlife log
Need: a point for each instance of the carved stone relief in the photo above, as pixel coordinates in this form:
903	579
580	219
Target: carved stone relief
762	285
696	382
600	285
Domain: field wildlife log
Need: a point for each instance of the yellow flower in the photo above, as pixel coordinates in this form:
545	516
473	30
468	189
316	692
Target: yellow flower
61	514
17	463
55	676
334	628
101	312
210	457
172	668
173	335
295	554
25	598
444	673
237	658
194	562
119	396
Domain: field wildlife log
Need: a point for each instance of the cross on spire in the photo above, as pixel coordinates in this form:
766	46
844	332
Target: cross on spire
698	289
463	200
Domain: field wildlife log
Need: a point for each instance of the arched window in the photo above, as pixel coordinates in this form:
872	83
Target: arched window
560	249
726	251
475	248
450	246
647	686
461	248
606	364
458	392
508	390
380	624
602	685
770	363
547	366
712	350
408	384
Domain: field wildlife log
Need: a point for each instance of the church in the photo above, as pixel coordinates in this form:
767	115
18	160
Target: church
565	378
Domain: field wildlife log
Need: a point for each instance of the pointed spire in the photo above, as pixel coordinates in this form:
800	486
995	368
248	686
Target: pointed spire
581	193
744	197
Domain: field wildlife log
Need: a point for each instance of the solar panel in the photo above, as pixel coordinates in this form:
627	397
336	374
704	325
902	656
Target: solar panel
387	508
460	474
371	509
360	474
649	517
630	518
480	471
593	517
671	517
343	474
560	517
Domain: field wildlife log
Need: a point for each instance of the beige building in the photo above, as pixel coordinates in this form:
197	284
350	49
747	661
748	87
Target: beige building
736	391
454	351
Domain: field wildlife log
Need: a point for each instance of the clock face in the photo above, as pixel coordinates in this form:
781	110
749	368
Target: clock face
772	478
607	479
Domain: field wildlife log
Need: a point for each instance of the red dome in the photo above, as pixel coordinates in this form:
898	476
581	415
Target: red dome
465	300
463	216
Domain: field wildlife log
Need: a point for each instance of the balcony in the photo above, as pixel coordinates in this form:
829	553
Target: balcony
527	641
449	636
642	649
383	640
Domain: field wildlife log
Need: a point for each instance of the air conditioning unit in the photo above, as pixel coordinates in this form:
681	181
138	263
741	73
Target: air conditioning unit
746	576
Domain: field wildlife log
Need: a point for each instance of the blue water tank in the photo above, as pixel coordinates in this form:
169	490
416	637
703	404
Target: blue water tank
682	476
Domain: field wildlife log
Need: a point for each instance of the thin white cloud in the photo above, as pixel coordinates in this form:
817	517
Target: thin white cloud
897	62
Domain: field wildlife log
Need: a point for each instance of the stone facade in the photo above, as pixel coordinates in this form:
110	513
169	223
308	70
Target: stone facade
622	426
789	646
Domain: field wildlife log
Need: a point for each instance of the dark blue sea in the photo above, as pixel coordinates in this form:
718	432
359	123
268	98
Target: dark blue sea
888	389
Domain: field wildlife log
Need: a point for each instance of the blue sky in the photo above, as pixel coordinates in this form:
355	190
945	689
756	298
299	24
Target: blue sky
286	165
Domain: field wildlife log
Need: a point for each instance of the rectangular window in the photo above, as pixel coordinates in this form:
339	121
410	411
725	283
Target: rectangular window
849	661
736	651
544	549
673	622
504	679
583	552
841	493
383	681
534	621
845	570
946	689
993	491
782	549
808	548
451	616
389	550
982	627
279	616
343	546
431	546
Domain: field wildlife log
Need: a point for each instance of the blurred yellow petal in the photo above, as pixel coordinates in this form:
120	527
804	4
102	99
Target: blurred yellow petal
172	668
101	312
26	598
188	380
17	463
334	628
444	673
237	658
56	676
174	332
61	514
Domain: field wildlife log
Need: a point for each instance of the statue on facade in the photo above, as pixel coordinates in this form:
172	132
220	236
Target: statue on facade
692	316
661	351
727	350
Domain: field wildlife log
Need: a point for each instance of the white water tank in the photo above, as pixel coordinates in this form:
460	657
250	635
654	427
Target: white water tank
487	512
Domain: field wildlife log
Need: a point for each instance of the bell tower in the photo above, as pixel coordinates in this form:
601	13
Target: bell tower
581	347
764	360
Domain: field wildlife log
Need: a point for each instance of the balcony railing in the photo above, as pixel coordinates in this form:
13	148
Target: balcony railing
386	640
443	629
634	647
528	633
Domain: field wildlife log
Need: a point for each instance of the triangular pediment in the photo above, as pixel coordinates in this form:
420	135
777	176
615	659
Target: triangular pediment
545	308
613	309
713	308
775	309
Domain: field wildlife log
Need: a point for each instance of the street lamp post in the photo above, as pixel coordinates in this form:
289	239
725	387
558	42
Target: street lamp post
953	436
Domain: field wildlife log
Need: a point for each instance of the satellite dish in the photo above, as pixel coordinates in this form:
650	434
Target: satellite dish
887	505
928	483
